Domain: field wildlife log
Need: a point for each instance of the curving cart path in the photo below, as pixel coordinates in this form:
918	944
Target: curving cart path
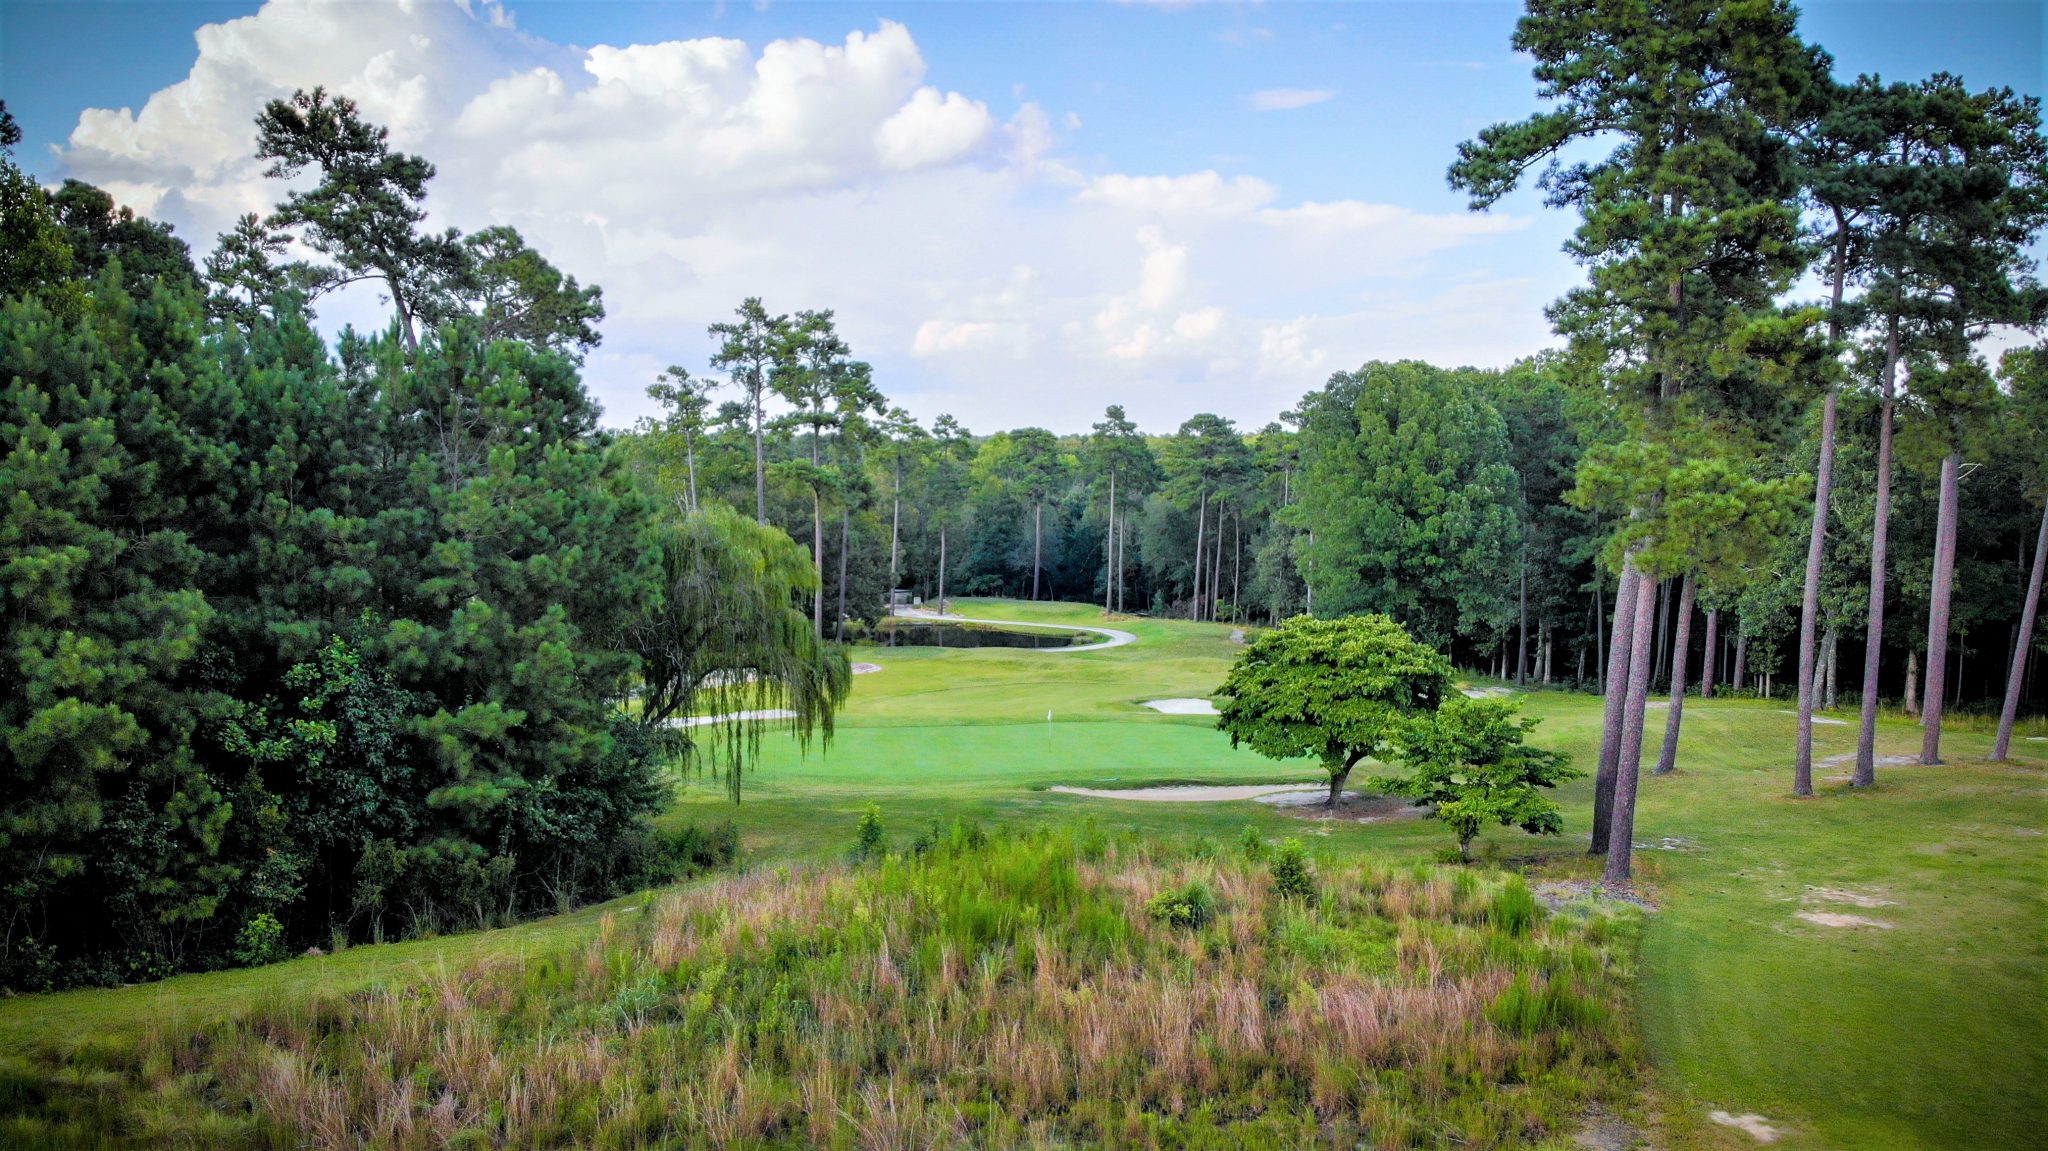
1116	638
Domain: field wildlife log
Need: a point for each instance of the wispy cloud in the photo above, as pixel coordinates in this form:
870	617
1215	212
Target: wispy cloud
1286	99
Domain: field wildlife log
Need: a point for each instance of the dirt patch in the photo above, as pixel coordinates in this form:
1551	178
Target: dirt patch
1556	893
1834	919
1853	898
1667	843
1181	706
1194	793
866	668
1754	1126
1818	719
1606	1133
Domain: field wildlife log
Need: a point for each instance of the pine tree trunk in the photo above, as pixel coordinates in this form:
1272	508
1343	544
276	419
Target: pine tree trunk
1548	640
1809	603
1661	647
1109	552
1830	646
818	562
1741	656
1237	569
2022	644
760	469
690	457
1216	566
1880	532
1201	526
942	569
1522	639
1037	542
1667	761
1621	642
895	521
1711	663
1913	682
839	627
1599	639
1943	589
1628	765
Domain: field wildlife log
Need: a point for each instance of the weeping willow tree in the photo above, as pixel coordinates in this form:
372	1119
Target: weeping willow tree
726	638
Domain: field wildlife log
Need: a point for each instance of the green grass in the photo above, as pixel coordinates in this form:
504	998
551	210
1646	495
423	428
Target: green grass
1930	1034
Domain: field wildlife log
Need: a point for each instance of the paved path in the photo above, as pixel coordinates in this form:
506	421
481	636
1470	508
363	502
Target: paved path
1116	638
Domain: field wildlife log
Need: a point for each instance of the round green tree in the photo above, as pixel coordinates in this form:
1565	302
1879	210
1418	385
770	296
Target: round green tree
1468	762
1338	689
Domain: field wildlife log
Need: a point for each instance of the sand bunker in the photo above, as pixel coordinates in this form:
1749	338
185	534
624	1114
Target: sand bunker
1831	919
1191	793
866	668
1754	1126
702	720
1181	706
1854	898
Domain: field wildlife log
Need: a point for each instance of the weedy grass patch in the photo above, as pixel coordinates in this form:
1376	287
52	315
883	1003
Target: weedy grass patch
1026	988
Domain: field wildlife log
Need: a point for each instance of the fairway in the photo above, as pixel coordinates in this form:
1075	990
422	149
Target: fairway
1744	1007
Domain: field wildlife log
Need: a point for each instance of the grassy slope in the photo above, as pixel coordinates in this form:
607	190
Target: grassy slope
1931	1034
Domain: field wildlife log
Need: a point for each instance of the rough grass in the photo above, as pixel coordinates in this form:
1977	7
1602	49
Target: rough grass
1013	991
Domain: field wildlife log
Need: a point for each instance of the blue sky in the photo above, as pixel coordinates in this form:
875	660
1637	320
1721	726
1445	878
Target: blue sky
1014	264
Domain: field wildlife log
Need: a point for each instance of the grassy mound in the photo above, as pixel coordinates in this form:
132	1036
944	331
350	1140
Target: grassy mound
1023	990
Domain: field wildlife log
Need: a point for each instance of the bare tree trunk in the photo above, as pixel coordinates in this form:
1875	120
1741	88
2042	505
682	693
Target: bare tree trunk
818	562
1711	663
942	569
760	468
2022	644
1599	640
1628	765
1216	563
1937	611
895	520
1830	644
1237	569
1109	552
1548	640
1522	643
1913	682
1621	641
690	457
1667	762
839	628
1809	603
1880	531
1037	542
1661	647
1201	525
1741	655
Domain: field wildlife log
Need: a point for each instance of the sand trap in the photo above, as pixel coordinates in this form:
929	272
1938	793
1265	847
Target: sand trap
703	720
1191	793
1181	706
1831	919
866	668
1754	1126
1854	898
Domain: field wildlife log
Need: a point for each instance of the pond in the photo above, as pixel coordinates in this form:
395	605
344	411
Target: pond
902	633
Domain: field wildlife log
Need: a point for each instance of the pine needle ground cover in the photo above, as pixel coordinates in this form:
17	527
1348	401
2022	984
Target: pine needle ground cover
1026	989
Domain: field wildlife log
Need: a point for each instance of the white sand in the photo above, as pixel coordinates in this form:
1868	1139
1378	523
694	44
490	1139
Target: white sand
1182	706
1194	794
703	720
866	668
1116	638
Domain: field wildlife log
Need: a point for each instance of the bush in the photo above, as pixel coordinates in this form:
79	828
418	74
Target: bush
1192	906
1293	878
695	850
1252	844
1513	908
869	841
260	941
1522	1008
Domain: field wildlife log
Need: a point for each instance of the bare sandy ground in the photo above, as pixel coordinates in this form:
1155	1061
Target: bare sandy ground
866	668
1836	919
1754	1126
1191	793
1181	706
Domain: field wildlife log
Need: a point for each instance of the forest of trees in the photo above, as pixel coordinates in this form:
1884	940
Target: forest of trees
308	641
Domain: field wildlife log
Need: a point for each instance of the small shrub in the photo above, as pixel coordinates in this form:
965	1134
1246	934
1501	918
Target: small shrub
870	841
1524	1009
927	840
1293	878
1252	844
1192	907
1513	908
260	941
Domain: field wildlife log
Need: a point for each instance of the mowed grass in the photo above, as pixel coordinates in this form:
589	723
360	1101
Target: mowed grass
1926	1033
